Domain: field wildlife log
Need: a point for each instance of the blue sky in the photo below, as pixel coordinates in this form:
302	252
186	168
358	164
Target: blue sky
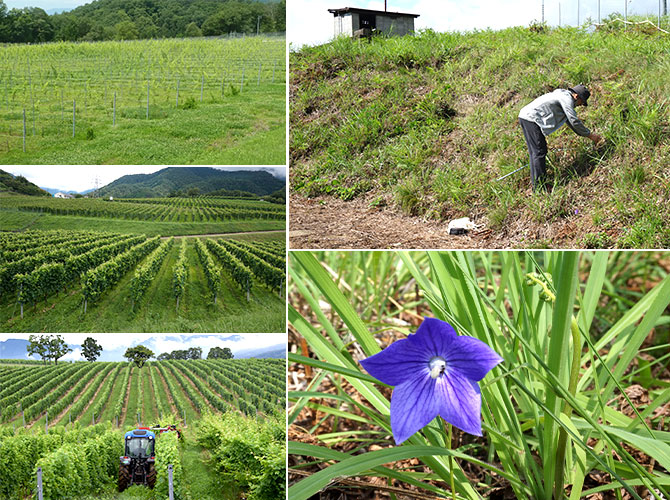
46	4
81	178
114	345
309	21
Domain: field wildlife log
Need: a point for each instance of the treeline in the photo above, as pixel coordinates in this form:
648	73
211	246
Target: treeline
141	19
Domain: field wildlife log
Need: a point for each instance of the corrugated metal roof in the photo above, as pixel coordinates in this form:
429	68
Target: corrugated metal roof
351	10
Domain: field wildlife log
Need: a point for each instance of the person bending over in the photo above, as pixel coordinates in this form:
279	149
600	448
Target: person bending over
545	115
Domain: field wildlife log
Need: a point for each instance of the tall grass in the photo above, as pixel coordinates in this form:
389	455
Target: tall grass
430	122
552	411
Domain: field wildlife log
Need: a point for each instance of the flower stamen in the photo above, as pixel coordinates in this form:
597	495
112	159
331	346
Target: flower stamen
437	366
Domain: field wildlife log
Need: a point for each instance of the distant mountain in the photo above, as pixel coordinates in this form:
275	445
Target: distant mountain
205	179
277	351
14	349
19	185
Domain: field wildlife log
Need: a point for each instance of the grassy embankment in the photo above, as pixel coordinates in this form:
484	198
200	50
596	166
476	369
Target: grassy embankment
429	123
265	312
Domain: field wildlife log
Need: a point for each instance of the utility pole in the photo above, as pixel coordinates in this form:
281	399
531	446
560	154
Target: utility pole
258	25
542	11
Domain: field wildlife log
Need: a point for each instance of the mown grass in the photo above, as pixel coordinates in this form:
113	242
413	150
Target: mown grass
429	123
12	220
265	312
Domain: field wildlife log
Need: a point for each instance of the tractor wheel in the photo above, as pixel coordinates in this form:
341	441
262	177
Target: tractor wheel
124	477
151	476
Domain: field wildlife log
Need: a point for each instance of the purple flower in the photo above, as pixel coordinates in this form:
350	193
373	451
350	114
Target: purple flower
435	372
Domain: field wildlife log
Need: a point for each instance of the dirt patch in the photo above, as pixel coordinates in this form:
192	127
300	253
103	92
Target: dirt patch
326	222
167	392
122	418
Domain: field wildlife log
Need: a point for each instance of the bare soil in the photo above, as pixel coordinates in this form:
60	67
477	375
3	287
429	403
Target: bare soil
325	222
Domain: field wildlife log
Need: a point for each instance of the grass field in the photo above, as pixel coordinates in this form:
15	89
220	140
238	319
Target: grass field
206	101
427	125
241	401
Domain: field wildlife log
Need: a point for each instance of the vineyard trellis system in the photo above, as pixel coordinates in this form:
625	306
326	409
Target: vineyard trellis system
61	88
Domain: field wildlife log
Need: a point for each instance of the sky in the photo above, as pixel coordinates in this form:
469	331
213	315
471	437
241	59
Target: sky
115	345
82	178
310	23
46	4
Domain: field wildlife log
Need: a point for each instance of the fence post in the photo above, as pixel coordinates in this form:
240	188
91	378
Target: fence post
274	69
40	492
46	423
24	136
23	415
74	116
117	420
170	483
244	66
260	65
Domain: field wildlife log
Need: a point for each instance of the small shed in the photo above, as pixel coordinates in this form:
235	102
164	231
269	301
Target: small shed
63	195
348	20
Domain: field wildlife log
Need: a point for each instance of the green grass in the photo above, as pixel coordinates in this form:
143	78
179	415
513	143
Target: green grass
215	123
265	312
429	123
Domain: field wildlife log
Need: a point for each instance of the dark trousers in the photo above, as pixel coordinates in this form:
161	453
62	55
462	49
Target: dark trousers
537	149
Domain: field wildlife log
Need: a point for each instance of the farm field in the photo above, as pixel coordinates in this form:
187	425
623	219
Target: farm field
92	281
151	216
221	407
188	101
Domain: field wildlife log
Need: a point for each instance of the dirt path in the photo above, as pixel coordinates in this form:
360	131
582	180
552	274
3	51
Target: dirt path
325	222
210	235
122	418
188	379
62	415
167	392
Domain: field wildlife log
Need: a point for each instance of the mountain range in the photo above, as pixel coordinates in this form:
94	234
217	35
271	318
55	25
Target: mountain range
19	185
204	179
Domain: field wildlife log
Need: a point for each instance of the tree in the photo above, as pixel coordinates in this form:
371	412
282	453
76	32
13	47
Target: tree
38	346
194	353
138	355
57	347
48	347
192	30
90	349
219	353
194	191
126	30
164	356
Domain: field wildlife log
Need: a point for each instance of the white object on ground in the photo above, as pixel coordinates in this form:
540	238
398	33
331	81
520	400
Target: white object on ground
461	226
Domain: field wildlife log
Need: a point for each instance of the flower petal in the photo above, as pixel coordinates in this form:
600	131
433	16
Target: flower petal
398	363
471	357
434	336
460	402
413	405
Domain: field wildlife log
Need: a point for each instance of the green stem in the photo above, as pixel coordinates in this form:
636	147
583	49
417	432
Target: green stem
559	475
451	463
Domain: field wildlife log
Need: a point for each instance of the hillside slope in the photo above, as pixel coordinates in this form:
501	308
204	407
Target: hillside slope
427	125
19	185
205	179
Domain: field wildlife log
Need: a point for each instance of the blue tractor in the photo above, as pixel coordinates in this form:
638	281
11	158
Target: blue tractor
138	465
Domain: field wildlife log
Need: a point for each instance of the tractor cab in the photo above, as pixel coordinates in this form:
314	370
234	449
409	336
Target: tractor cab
140	443
138	463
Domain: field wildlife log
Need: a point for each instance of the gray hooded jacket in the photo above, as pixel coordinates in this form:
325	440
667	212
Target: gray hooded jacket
551	111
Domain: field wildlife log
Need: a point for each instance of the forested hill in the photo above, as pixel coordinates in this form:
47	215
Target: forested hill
19	185
140	19
182	179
